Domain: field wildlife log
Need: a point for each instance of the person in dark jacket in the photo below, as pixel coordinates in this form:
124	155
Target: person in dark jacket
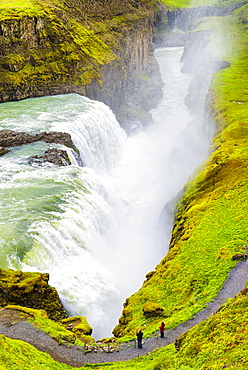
139	338
161	329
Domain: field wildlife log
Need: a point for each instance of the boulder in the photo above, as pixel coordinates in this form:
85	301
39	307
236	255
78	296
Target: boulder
53	155
3	151
9	138
151	309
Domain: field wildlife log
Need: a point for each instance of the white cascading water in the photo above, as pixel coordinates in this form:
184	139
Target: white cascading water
95	229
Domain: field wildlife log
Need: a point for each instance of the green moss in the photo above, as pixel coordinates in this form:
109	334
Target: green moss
16	354
151	309
218	342
79	326
15	3
30	289
40	320
67	52
16	9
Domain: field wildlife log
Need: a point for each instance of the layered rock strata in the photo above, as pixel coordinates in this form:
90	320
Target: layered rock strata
100	49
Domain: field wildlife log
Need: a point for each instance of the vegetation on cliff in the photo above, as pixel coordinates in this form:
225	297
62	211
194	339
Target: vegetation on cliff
41	48
49	47
30	289
217	343
211	220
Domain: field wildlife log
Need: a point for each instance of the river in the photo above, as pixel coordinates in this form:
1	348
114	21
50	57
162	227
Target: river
97	229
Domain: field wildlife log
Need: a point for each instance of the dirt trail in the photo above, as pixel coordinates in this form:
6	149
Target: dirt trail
75	356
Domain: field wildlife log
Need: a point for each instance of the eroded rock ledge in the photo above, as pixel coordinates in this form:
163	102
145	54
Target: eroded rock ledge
9	138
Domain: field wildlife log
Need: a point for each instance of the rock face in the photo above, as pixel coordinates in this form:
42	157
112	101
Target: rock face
30	289
172	26
53	155
185	19
3	151
9	138
100	49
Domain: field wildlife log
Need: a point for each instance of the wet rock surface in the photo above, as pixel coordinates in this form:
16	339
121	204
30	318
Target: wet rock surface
77	355
58	157
9	138
3	151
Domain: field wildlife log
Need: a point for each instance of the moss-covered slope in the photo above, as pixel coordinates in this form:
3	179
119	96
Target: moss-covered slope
16	354
219	342
30	289
73	330
211	220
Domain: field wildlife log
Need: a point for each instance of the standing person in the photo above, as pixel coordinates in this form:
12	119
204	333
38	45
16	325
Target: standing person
161	329
139	338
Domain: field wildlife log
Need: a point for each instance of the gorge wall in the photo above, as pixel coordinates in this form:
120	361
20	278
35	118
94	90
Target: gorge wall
100	49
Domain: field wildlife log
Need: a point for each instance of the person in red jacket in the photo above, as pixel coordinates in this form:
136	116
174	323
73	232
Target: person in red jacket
161	329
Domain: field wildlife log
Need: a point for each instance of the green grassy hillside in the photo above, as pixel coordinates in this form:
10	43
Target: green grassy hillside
219	342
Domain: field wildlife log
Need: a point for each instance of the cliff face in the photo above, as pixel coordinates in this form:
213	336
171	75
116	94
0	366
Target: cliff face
100	49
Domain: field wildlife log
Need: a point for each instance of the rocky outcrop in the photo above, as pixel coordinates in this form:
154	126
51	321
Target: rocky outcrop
151	309
78	325
9	138
3	151
30	289
56	156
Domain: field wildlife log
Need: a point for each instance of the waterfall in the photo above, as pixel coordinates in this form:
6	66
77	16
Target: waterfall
96	229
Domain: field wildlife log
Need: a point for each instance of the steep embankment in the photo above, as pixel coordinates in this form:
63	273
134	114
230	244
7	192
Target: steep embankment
211	219
100	49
